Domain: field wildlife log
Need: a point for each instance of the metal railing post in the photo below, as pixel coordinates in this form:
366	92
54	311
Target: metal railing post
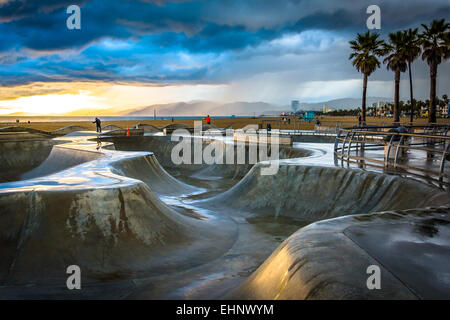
377	137
343	148
336	142
441	169
350	145
397	151
386	155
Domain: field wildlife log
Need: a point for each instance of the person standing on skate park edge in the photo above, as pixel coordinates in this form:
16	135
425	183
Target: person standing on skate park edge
99	124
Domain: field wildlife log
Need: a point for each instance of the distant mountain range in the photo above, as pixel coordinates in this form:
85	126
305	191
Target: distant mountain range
201	108
345	103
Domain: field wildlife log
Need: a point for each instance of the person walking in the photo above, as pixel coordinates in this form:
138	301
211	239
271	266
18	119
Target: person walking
99	124
208	119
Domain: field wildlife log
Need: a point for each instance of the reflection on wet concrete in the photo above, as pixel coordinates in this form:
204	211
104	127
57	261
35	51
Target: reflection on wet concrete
329	259
417	253
279	227
202	232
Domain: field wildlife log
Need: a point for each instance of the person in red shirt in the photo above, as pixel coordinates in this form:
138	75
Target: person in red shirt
208	119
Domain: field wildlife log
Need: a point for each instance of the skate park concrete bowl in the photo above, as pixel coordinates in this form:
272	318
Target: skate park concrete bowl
109	225
25	156
329	259
141	227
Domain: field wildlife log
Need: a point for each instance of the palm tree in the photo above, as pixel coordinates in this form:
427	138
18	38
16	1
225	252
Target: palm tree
366	48
435	44
447	44
396	61
412	47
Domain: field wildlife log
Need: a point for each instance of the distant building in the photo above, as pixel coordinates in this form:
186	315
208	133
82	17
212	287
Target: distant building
443	110
295	105
325	109
381	108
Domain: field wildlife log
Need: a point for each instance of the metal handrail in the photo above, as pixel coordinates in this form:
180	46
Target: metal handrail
359	138
399	134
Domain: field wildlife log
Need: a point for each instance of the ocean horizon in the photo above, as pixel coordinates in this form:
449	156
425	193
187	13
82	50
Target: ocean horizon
33	119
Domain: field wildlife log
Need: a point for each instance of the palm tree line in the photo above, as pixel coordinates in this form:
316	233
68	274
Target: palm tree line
399	52
404	106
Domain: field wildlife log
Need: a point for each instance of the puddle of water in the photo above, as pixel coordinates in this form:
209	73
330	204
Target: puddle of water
278	227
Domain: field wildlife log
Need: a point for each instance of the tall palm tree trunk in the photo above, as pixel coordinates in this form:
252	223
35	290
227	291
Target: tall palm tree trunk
432	106
411	93
363	106
397	97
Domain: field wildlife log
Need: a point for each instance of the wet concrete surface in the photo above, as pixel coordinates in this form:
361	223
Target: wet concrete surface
329	259
408	250
205	231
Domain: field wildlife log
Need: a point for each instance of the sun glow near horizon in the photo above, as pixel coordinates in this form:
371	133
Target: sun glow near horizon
81	98
51	104
69	97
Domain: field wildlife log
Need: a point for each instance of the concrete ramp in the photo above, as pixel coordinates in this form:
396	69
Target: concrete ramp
60	158
24	129
148	170
123	132
312	193
111	127
111	233
238	171
137	231
330	259
162	147
68	129
148	128
20	156
112	226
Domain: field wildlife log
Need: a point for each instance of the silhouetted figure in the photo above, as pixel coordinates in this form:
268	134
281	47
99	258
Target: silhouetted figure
99	124
359	120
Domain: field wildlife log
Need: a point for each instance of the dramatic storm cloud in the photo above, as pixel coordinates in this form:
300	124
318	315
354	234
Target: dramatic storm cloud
250	49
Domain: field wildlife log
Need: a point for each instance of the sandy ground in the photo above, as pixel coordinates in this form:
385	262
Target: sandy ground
223	123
